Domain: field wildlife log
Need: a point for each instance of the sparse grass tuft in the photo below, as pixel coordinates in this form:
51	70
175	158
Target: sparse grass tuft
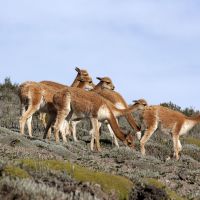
192	140
14	171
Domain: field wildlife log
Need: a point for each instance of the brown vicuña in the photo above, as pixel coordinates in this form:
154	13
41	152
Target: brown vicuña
74	103
38	97
82	73
168	121
103	89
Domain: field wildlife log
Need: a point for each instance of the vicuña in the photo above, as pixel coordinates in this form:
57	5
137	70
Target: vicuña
105	88
168	121
75	104
38	97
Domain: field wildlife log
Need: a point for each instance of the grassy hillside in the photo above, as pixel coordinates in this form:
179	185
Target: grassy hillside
36	169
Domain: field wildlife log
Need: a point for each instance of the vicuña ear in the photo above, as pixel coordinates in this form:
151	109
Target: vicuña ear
77	69
99	78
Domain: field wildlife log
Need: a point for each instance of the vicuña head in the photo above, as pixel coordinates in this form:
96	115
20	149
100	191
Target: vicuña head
86	83
105	82
140	102
82	72
129	140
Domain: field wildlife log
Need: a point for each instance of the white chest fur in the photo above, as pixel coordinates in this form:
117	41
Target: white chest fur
103	112
119	105
187	125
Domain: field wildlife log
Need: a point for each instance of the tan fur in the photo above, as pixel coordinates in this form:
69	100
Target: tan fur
34	96
105	88
169	121
74	103
38	96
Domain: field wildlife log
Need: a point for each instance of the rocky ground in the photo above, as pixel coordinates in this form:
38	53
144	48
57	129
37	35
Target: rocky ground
32	168
28	169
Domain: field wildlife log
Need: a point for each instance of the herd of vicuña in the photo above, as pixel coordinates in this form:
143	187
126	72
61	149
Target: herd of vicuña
62	107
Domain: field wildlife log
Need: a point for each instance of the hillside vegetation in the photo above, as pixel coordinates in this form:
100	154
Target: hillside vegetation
37	169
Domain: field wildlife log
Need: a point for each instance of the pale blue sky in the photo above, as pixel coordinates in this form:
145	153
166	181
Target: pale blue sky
149	48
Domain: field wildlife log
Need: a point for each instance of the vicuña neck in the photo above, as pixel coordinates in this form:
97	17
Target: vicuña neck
81	85
120	112
195	118
97	87
75	82
113	123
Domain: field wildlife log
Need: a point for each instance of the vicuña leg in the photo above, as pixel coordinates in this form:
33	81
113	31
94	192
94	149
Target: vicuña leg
28	122
74	123
176	141
65	130
95	134
113	136
177	146
42	118
61	115
92	140
27	115
148	133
